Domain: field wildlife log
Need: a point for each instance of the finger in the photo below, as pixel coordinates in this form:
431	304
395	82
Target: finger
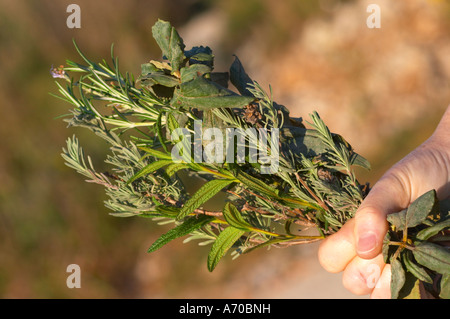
337	250
361	275
382	289
387	196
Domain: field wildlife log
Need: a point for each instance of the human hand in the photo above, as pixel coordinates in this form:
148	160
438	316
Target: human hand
356	248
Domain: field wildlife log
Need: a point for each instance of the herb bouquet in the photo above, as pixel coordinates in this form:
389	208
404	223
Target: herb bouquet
286	181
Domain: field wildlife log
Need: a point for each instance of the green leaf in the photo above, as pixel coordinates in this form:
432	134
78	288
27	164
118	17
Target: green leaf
160	78
159	132
206	192
360	161
269	242
418	211
169	41
203	94
175	167
147	68
414	268
431	231
200	55
168	211
234	218
300	140
155	153
386	247
240	78
223	243
433	256
397	219
411	288
150	168
193	71
397	279
188	226
256	184
445	287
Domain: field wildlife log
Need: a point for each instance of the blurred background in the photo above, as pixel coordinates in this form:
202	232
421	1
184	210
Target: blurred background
383	89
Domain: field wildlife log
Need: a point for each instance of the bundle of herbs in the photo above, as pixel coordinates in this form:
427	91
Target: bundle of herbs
287	181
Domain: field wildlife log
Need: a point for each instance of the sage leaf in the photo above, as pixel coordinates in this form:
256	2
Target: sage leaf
191	72
169	41
360	161
240	78
397	219
188	226
203	94
150	168
147	68
429	232
398	278
300	140
223	243
206	192
433	256
411	289
200	55
414	268
418	211
234	218
386	247
160	78
445	287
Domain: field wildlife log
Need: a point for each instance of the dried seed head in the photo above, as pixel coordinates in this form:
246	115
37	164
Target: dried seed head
325	175
251	114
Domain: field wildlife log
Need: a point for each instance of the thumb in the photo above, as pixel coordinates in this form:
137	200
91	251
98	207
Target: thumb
387	196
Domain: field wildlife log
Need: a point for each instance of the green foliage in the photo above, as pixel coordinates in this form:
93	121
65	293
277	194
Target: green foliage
314	187
186	227
413	246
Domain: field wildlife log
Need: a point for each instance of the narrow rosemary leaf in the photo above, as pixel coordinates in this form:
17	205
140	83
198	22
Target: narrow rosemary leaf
155	153
205	192
223	243
269	243
234	217
188	226
256	184
150	168
160	134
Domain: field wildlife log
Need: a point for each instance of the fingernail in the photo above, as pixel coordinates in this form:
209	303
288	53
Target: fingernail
367	242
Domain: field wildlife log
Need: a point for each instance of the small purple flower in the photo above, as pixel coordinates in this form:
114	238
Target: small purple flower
58	72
